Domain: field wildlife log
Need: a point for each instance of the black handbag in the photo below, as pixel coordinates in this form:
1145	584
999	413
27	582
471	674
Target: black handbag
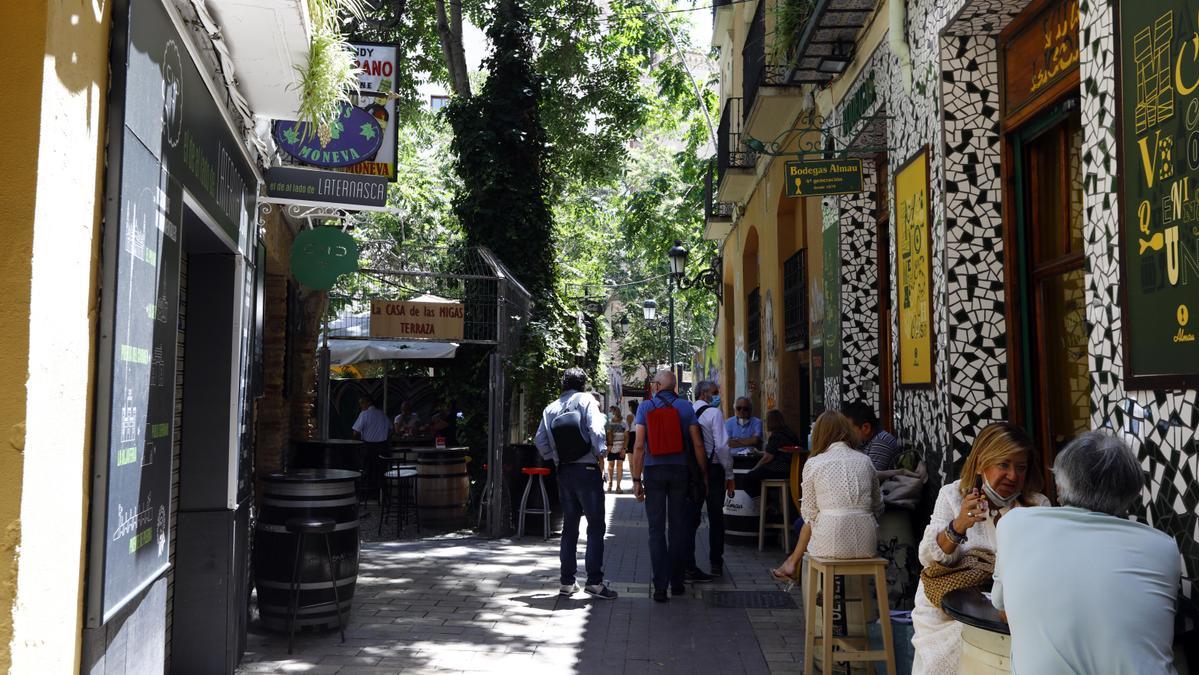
697	483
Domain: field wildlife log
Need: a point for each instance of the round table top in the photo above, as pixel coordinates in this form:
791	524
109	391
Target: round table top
434	449
401	473
311	476
330	441
971	607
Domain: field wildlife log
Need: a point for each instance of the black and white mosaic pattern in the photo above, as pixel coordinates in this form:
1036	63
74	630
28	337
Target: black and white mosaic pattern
1162	426
859	292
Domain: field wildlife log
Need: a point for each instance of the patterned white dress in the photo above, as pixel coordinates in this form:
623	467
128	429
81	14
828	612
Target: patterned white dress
841	500
938	638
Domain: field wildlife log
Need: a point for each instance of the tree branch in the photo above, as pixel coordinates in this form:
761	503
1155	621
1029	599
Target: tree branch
449	33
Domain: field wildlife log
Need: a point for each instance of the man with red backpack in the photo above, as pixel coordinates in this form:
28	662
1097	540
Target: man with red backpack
666	430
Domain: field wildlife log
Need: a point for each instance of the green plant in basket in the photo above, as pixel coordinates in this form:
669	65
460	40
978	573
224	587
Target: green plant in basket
330	78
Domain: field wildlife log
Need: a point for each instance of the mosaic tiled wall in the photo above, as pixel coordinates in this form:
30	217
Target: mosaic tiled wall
859	292
1163	426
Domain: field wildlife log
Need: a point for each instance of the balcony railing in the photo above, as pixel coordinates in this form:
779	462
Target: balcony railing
731	151
759	70
712	208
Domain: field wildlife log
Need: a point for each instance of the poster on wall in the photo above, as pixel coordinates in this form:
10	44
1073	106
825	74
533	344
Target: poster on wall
913	272
1159	186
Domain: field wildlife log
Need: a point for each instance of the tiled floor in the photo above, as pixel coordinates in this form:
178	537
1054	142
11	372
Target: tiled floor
460	603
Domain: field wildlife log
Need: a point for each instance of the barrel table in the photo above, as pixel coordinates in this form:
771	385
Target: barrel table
442	487
328	493
740	510
986	640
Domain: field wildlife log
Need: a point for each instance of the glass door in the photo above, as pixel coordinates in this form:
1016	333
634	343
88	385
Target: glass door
1052	327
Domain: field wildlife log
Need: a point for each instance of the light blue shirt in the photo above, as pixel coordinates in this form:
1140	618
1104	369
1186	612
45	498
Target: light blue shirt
593	419
1086	592
372	425
736	431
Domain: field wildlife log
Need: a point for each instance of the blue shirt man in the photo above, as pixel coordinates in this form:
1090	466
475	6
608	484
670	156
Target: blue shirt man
744	430
663	487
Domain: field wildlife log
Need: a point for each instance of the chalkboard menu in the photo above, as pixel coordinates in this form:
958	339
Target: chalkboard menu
167	139
1159	181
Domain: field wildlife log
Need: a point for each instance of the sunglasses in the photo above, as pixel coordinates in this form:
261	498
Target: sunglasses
741	408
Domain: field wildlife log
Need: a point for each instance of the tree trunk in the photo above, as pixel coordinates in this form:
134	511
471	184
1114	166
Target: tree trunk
449	32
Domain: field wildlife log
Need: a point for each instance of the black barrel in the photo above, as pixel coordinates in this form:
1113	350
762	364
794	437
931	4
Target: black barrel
330	453
442	487
306	493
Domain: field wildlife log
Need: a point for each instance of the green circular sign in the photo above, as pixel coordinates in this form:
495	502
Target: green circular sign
320	255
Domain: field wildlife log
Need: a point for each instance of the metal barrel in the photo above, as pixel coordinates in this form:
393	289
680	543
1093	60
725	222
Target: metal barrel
740	512
306	493
442	487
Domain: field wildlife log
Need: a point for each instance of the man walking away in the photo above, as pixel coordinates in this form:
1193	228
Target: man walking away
571	434
720	480
666	429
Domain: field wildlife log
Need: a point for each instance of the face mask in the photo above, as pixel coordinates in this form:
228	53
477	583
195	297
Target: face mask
742	421
715	401
996	500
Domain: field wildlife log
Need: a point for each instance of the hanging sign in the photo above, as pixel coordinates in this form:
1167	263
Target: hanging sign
326	187
428	320
320	255
824	177
377	65
353	138
1044	52
914	272
1159	180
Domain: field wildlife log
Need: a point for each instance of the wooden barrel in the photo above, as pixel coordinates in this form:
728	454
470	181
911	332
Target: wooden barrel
306	493
442	487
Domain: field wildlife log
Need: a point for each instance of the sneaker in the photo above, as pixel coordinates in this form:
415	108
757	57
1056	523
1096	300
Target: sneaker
568	590
600	590
717	570
698	576
660	595
678	590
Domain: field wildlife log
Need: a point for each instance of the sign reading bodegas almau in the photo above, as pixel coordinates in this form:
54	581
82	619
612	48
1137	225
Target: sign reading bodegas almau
329	187
410	319
1159	144
823	177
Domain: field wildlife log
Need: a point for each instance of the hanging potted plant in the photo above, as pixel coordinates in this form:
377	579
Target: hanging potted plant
329	80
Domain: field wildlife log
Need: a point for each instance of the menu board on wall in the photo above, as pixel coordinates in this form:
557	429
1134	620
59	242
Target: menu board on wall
1159	182
913	272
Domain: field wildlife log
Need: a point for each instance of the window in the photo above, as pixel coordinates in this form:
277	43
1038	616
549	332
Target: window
795	301
753	331
436	103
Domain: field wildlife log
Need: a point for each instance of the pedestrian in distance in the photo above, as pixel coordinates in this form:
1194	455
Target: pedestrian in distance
720	481
666	430
617	447
572	435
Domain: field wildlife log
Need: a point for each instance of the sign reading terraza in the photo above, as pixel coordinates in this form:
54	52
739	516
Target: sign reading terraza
408	319
824	177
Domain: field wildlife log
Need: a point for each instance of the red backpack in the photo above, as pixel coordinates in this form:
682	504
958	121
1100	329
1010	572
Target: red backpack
665	431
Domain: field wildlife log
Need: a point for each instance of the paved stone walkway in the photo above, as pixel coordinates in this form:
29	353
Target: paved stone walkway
457	603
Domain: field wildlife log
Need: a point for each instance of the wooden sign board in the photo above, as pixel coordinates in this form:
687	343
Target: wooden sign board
1041	53
1159	182
824	177
420	320
913	272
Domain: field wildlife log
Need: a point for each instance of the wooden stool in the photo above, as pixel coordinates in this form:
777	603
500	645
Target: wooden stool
781	485
820	579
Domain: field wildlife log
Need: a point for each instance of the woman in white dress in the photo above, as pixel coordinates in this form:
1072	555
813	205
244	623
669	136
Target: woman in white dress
841	500
1000	474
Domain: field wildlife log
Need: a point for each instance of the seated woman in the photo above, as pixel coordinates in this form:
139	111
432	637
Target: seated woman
774	462
841	499
1000	474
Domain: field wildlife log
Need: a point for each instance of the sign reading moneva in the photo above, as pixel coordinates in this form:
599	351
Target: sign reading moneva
427	320
824	177
1159	143
327	187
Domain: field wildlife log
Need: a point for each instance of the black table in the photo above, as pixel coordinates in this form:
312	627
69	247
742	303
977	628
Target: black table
330	453
971	607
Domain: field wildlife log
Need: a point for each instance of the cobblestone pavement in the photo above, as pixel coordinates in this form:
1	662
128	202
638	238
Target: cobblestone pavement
457	603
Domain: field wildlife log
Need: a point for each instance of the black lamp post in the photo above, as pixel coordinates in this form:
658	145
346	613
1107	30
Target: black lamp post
708	278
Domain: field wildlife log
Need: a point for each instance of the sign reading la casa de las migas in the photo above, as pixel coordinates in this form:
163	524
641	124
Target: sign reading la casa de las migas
416	319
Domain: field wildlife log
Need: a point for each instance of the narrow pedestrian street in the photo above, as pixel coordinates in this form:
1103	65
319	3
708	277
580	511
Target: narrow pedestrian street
468	604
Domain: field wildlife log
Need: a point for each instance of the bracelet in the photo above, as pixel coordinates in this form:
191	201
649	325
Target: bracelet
636	480
953	535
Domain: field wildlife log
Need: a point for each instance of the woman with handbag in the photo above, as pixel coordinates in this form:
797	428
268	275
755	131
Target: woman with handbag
841	498
958	547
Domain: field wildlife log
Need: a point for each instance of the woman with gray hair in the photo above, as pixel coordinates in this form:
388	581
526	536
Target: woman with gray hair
1085	589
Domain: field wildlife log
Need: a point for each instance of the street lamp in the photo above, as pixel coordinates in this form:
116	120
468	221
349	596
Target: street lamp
650	309
708	278
624	323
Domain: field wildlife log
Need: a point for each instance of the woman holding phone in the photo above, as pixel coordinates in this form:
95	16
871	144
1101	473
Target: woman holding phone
999	475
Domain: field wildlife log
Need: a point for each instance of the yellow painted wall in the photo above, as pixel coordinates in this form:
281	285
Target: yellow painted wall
53	76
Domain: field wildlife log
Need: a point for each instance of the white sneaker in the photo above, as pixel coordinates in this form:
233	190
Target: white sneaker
568	590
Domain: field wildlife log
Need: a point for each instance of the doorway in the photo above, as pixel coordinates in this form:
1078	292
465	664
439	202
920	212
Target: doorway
1054	391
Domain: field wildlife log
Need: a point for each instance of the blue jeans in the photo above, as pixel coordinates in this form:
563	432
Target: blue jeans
581	491
666	502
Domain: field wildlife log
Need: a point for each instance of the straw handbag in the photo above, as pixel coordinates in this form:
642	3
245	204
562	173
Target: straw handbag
976	569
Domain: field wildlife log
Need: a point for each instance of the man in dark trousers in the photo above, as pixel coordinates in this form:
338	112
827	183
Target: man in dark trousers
720	480
660	480
580	481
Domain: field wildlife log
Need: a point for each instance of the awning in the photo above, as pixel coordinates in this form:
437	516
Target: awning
345	352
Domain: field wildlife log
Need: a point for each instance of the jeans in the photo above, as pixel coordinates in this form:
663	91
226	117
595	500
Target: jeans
715	504
666	502
581	491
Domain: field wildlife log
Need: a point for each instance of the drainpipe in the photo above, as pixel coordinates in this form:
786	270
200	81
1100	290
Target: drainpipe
897	13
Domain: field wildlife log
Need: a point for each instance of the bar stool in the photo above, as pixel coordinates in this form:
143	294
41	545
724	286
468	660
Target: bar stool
397	493
539	473
820	576
301	527
779	484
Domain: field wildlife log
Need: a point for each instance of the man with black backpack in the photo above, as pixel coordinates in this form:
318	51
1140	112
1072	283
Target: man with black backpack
572	435
667	432
720	480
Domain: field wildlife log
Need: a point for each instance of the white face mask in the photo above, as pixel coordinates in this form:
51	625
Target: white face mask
743	421
996	500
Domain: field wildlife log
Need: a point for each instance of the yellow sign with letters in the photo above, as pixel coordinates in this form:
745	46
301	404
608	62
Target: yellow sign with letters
913	272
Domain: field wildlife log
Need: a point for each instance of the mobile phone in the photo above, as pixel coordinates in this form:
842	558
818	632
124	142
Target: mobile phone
978	483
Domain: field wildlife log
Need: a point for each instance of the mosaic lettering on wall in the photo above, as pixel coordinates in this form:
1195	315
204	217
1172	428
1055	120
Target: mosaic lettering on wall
1162	426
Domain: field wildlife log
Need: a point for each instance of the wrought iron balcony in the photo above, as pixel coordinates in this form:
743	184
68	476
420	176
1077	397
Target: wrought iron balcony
714	210
735	162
